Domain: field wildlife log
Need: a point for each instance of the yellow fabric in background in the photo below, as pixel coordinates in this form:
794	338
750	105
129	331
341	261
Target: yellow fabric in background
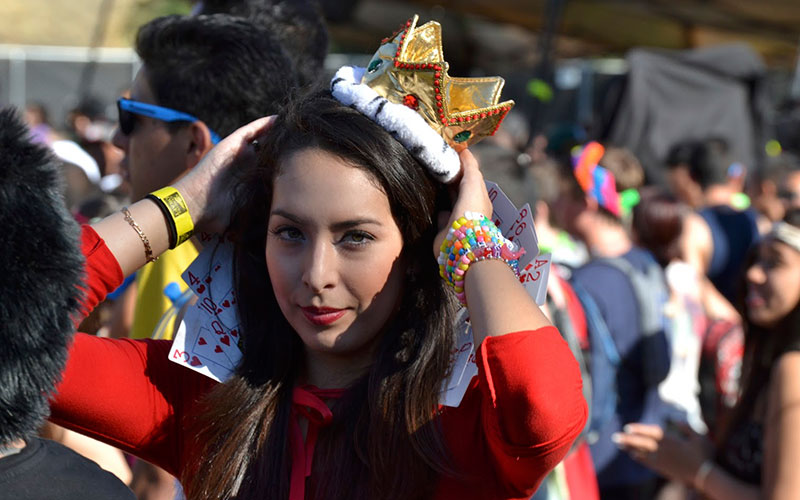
151	303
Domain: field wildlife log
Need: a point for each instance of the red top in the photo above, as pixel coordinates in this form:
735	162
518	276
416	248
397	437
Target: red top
516	422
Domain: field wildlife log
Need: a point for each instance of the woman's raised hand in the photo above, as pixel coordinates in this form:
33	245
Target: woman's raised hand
207	188
672	455
470	195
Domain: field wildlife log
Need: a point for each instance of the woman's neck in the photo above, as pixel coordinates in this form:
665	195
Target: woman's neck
607	240
329	371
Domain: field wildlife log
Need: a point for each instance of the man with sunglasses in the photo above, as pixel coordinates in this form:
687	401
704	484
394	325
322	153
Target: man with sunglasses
201	78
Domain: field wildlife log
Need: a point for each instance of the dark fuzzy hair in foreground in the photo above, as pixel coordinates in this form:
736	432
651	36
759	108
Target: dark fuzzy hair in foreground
41	267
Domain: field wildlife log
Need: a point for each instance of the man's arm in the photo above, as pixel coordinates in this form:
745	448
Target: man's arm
697	247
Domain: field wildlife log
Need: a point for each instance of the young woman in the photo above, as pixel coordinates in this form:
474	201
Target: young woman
347	331
758	451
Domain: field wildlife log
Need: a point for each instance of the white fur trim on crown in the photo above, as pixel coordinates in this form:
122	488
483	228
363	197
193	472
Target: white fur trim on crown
405	124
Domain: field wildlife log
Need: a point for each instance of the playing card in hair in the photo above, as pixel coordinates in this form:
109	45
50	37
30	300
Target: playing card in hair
534	277
504	213
523	233
210	341
182	353
209	274
463	366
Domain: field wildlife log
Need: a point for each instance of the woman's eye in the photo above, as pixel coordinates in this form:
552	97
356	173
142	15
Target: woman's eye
357	237
288	233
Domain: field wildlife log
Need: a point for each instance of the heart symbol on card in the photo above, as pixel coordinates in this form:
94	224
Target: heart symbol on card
218	349
201	341
226	303
195	361
217	268
234	333
225	340
209	279
201	289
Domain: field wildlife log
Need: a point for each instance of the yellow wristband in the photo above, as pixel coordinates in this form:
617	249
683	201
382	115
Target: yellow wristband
178	212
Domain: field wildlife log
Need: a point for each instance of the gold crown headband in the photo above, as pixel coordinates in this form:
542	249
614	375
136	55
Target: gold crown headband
406	89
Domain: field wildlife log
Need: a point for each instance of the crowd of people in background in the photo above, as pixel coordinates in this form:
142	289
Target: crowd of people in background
680	302
694	251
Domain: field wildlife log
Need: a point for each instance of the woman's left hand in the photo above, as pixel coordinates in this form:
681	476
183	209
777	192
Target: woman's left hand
471	195
208	187
672	455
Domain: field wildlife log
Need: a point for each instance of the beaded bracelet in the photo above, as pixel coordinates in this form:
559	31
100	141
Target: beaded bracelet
473	238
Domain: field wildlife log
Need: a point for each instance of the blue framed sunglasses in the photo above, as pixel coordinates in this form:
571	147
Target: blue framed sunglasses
128	107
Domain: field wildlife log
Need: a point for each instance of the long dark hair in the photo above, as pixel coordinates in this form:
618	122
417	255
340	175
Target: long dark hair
762	348
384	441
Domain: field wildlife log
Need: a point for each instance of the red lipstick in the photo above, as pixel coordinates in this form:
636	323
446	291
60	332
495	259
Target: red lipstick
323	316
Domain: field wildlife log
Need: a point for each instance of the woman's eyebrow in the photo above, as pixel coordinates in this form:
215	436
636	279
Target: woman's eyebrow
287	215
347	224
336	226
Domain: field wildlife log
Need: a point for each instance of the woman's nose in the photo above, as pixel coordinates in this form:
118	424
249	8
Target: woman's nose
320	266
756	275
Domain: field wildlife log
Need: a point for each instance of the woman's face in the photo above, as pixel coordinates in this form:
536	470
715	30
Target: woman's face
773	283
333	253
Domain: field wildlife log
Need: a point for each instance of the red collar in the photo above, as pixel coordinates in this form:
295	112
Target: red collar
307	401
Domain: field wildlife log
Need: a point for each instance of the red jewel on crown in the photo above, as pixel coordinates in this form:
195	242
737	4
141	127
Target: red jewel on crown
411	101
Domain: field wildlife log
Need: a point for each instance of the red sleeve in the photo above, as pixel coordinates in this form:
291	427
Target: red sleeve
533	406
103	274
128	394
120	391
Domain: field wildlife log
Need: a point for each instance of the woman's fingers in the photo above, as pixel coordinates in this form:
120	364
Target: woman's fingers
207	187
648	430
247	133
472	194
635	443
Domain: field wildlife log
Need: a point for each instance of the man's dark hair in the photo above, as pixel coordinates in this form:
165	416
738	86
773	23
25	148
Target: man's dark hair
680	154
42	270
708	160
297	24
709	163
224	70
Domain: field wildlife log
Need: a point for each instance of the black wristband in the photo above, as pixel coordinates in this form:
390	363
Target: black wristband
173	231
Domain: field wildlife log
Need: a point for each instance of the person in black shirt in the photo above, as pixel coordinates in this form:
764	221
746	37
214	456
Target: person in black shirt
40	283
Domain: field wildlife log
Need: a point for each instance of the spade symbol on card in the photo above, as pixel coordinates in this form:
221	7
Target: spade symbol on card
201	341
195	361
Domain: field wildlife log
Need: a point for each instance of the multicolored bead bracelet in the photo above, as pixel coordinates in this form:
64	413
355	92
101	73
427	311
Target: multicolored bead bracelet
473	238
